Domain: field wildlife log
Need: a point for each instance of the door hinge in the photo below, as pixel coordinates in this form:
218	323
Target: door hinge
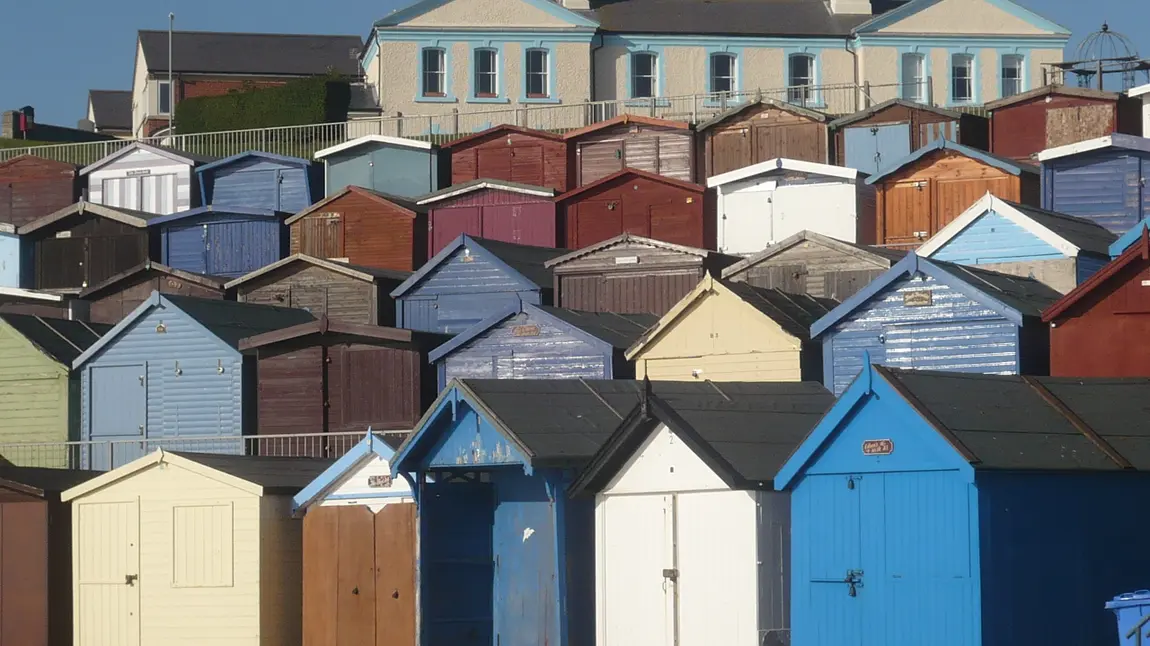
671	573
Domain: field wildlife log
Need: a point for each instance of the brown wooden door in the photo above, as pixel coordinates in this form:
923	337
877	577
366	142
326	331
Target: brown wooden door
60	263
395	575
24	574
321	235
952	197
527	165
109	255
494	163
599	159
356	593
730	151
320	576
906	216
794	141
596	221
290	400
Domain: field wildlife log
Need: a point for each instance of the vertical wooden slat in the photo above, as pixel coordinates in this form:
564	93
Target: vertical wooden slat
355	596
24	574
320	576
395	575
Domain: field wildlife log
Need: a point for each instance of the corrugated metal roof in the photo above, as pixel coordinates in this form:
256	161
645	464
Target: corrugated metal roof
61	339
275	475
246	53
232	321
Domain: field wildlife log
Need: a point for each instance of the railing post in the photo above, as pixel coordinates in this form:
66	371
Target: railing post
930	90
866	94
455	120
399	124
651	104
695	108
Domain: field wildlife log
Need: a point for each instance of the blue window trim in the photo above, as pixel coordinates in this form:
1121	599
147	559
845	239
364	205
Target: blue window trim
550	98
818	100
660	76
447	97
975	80
737	52
924	52
1024	54
500	73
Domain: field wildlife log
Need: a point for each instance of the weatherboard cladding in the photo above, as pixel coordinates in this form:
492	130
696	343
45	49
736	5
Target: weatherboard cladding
32	187
652	145
322	291
512	154
116	298
365	227
755	132
12	260
84	249
1106	186
260	181
386	167
493	214
132	387
223	242
139	178
638	202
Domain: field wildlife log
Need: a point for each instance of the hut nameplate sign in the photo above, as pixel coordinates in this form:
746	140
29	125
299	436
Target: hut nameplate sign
918	298
877	447
525	330
379	481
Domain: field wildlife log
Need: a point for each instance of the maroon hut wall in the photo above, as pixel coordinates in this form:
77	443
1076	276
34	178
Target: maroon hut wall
1023	129
642	204
494	214
511	154
32	187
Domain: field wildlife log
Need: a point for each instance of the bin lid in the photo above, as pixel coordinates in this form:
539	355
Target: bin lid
1136	598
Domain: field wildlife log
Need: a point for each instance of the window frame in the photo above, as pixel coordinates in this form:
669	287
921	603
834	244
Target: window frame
971	79
919	86
424	73
795	92
545	73
653	74
1020	79
476	74
732	73
160	94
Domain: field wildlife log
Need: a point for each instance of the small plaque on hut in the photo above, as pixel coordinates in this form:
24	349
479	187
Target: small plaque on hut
627	260
525	330
918	298
878	447
378	482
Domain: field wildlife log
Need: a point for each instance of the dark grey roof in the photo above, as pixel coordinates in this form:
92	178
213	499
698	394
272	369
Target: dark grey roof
846	248
1027	295
568	421
1085	234
61	339
377	272
46	480
525	259
795	313
620	330
275	475
744	431
1007	422
111	108
238	53
232	321
734	17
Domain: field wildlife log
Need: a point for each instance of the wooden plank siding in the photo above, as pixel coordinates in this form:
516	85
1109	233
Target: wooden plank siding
493	214
39	400
32	187
393	166
85	249
652	145
923	126
757	134
1025	128
365	228
1106	186
322	291
116	300
143	180
259	181
223	243
511	154
809	266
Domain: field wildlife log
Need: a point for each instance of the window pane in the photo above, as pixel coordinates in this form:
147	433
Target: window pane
165	105
961	81
433	71
643	64
1011	75
722	73
485	74
913	81
642	75
537	73
801	68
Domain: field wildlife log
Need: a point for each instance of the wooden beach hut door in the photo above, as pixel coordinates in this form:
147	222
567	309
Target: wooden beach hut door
834	549
638	571
107	569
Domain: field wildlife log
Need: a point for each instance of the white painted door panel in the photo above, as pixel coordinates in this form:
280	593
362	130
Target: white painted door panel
637	603
745	223
107	564
828	209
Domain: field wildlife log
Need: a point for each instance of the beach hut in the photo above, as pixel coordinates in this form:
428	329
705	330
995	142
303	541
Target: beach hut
692	543
1025	124
760	205
260	180
491	209
227	241
362	227
12	259
471	279
192	548
927	499
754	132
630	274
811	263
1056	249
724	331
142	177
172	369
391	165
881	135
32	187
117	297
1099	179
646	144
932	315
511	154
359	551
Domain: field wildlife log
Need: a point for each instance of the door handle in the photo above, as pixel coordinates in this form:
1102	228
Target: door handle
853	580
130	579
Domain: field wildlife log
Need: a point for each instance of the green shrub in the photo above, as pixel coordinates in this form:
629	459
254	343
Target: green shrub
320	99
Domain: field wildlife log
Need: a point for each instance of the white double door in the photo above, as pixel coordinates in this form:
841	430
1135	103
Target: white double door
677	568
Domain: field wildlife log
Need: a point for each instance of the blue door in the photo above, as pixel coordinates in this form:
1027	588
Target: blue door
837	583
526	579
872	148
118	415
238	247
184	248
257	189
457	563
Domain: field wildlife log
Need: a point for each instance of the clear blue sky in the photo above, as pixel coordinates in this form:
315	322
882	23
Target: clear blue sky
66	47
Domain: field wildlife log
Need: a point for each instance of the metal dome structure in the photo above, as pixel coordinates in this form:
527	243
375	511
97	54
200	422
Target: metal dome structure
1105	54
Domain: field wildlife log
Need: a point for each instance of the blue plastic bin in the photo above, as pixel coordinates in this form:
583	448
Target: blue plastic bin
1130	607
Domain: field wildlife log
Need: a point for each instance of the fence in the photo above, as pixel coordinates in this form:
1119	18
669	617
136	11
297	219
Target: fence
102	455
304	141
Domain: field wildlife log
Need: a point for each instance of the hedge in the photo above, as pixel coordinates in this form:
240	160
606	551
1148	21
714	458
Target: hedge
321	99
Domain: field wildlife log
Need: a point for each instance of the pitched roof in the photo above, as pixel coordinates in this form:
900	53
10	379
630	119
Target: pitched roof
525	260
111	109
339	331
404	203
1138	252
283	159
1048	90
62	340
878	255
1115	140
632	172
212	209
631	237
1068	234
505	127
370	274
743	431
777	164
480	184
1002	163
617	330
1013	297
178	156
113	282
41	482
625	119
239	53
879	107
744	107
138	219
231	321
725	17
371	447
377	139
1134	234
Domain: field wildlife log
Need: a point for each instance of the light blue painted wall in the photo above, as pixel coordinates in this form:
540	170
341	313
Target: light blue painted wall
259	183
200	401
1104	186
908	521
953	333
993	238
871	150
223	244
396	170
10	260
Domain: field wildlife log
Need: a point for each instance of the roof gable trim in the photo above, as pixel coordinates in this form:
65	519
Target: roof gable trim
159	456
463	241
986	204
780	163
379	139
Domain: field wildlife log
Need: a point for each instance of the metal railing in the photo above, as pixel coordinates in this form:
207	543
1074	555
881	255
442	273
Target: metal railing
101	455
304	141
